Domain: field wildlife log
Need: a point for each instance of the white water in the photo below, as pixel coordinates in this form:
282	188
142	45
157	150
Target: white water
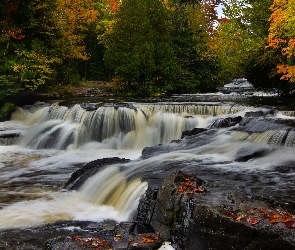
57	141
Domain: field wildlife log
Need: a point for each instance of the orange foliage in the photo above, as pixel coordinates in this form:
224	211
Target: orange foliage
254	216
14	33
91	242
150	238
9	12
189	186
74	18
288	71
281	34
113	4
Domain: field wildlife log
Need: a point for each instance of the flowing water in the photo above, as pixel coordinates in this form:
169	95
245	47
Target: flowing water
55	141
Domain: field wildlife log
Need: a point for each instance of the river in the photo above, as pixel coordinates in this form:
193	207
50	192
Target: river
57	140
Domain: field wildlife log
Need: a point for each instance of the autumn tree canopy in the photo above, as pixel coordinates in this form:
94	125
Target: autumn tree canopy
139	48
176	46
282	36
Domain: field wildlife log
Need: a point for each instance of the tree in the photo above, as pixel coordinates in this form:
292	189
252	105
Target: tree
139	47
282	36
192	28
241	43
74	18
54	41
202	19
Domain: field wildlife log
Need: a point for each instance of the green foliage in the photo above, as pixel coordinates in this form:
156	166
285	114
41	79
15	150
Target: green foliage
6	109
8	87
198	67
260	69
34	66
139	47
241	44
143	46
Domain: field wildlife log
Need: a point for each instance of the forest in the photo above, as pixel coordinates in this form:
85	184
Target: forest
145	47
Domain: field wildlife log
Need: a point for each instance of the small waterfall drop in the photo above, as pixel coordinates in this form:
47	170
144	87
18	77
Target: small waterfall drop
79	136
113	127
111	187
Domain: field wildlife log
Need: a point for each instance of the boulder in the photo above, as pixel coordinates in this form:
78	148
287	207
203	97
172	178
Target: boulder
25	98
226	122
80	176
184	213
194	131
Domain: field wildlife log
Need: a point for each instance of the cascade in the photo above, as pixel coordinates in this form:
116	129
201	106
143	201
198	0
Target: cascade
60	127
111	187
55	141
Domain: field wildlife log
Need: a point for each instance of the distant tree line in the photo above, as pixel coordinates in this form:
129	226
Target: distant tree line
145	46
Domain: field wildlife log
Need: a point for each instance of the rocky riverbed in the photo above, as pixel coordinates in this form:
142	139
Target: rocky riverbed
211	189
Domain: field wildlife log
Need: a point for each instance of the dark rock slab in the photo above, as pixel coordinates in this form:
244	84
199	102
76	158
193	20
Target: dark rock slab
88	106
80	176
246	156
192	222
194	131
25	98
226	122
61	235
9	135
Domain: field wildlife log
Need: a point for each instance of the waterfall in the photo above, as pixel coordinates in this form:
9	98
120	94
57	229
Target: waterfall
111	187
31	176
135	126
59	127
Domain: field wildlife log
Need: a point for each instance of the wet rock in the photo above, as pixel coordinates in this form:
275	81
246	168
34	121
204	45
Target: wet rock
173	210
9	135
8	138
80	176
175	141
191	222
288	167
125	105
88	106
144	211
226	122
123	235
148	241
122	105
255	115
25	98
248	156
61	235
194	131
260	113
126	237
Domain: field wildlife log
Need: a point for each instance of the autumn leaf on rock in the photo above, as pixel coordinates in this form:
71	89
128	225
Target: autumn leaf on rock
189	186
253	221
290	224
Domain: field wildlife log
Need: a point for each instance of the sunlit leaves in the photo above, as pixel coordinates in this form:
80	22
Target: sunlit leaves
95	243
256	215
189	186
34	67
113	5
73	19
14	33
282	35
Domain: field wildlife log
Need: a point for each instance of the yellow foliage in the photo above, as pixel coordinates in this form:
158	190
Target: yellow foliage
36	68
74	18
282	34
